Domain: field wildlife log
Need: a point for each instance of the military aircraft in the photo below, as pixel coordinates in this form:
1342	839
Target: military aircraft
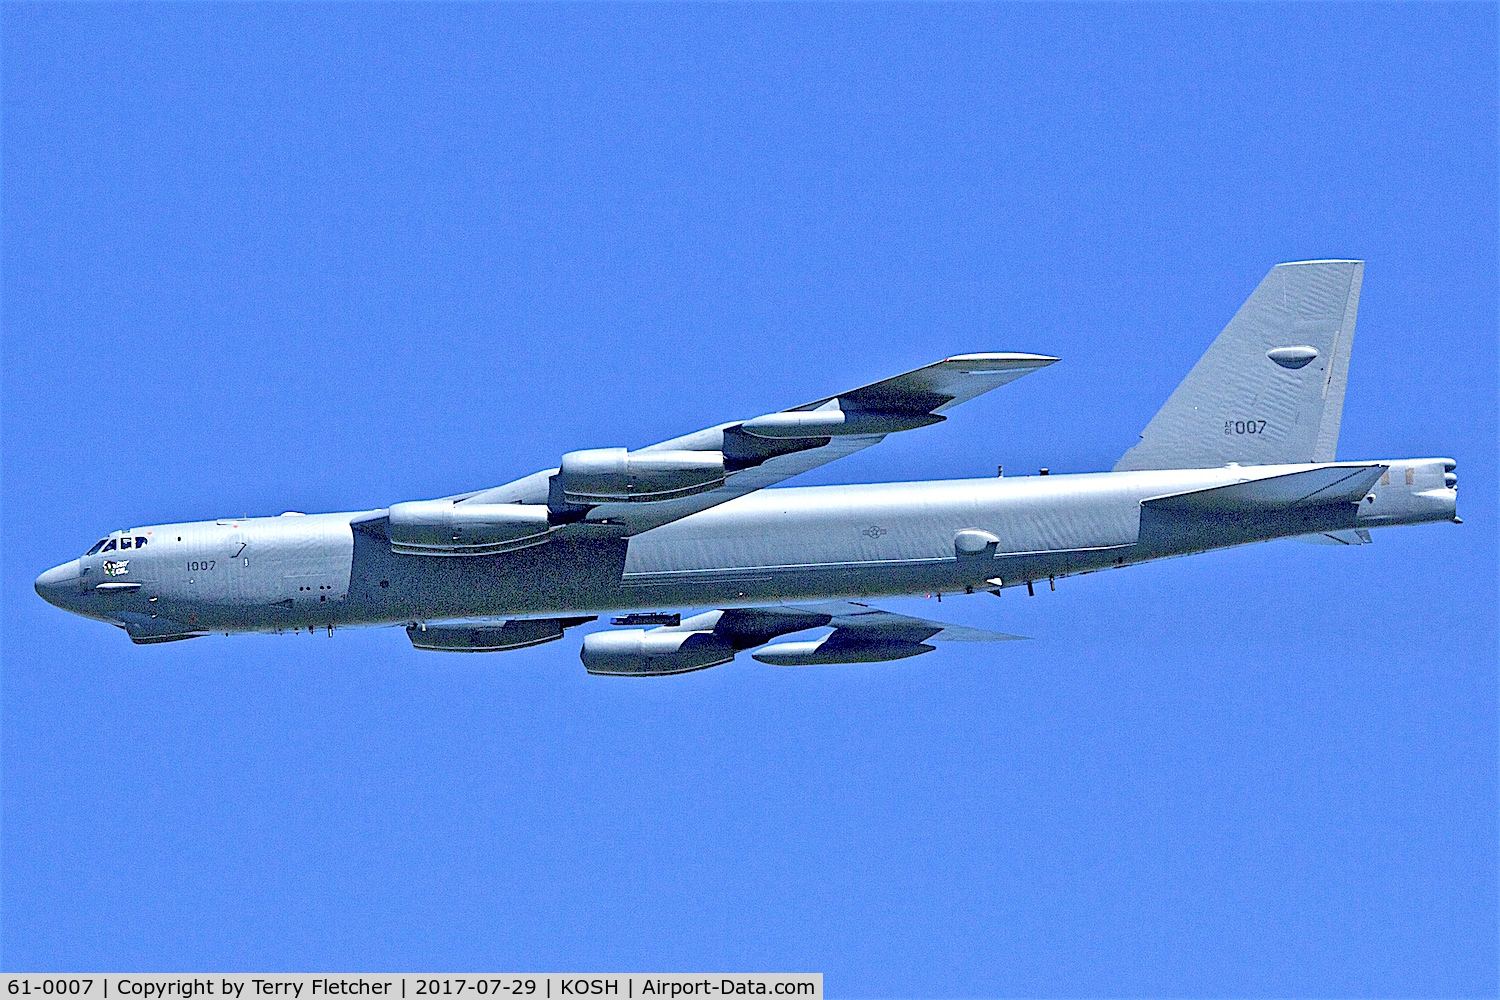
1242	451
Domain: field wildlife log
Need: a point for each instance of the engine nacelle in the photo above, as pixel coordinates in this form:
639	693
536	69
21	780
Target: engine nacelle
445	528
491	637
614	475
831	649
641	653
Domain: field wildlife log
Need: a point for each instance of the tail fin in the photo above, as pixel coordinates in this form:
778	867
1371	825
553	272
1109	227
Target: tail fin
1270	390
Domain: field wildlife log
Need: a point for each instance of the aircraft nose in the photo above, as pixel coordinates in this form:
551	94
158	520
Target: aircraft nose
57	581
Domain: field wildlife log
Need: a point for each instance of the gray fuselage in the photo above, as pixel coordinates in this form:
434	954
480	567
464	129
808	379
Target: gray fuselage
774	545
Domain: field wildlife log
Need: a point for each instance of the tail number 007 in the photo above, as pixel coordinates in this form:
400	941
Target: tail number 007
1244	427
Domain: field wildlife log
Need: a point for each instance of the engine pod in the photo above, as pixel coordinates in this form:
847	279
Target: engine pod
490	637
445	528
637	652
836	649
615	475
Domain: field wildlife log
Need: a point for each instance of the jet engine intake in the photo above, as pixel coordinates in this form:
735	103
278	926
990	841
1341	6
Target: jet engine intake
639	653
445	528
614	475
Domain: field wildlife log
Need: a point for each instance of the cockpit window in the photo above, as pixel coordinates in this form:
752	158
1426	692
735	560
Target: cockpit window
125	542
109	546
97	546
140	541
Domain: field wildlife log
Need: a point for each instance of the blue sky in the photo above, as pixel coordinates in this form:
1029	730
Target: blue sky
270	257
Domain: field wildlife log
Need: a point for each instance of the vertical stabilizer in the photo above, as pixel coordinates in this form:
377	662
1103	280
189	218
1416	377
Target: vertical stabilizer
1270	390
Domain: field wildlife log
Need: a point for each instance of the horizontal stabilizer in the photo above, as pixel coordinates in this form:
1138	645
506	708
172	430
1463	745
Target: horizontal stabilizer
1317	500
1331	484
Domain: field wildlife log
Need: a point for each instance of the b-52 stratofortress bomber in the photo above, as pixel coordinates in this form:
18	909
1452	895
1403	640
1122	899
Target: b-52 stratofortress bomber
1242	451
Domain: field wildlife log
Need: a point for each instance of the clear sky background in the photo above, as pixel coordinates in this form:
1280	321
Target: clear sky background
270	257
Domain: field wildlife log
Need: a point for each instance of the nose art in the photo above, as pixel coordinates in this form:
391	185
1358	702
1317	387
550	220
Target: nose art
57	581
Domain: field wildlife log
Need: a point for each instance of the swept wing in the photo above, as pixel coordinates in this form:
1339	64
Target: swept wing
615	492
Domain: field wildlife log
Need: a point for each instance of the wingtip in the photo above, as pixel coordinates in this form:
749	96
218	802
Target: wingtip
1002	360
